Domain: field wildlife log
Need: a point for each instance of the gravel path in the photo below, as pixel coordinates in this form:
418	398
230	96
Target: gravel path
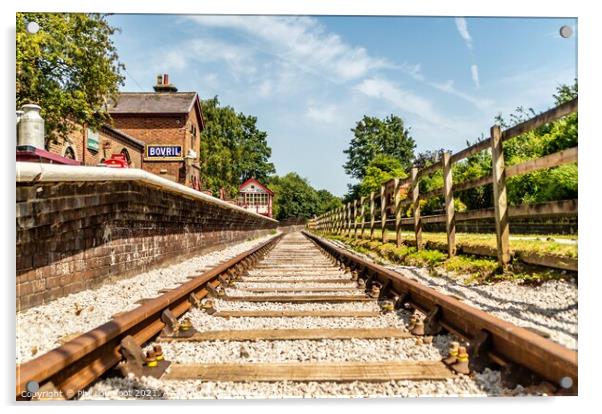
550	307
41	328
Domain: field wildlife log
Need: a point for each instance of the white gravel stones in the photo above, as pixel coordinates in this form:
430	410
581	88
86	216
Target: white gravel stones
297	292
291	278
150	388
311	306
40	329
550	307
204	322
332	350
298	285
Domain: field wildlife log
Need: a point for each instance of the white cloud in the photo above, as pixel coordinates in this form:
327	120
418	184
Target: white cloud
462	27
303	42
448	87
474	71
415	71
265	89
324	113
402	99
238	59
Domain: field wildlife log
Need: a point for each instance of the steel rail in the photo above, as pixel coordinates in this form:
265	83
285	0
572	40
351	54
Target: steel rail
509	344
76	364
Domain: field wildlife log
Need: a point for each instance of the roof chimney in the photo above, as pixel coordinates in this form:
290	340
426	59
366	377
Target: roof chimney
163	84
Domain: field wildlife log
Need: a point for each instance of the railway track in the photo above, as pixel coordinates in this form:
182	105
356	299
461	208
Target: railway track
297	309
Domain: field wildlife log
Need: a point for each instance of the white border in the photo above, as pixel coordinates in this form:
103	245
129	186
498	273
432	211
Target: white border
589	81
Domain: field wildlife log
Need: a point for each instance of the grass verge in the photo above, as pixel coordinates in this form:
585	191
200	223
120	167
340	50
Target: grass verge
468	268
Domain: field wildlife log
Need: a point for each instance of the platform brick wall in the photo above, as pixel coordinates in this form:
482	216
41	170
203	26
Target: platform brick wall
76	235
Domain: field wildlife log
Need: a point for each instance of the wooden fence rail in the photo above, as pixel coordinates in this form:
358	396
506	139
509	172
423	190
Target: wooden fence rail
398	194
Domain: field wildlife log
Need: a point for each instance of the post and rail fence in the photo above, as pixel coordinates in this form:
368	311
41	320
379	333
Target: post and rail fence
398	194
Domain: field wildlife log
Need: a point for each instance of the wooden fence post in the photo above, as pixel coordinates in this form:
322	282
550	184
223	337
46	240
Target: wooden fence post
450	212
397	210
383	213
335	220
348	219
416	204
362	224
355	218
372	217
500	197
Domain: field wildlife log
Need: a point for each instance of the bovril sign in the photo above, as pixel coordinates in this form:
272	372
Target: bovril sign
163	153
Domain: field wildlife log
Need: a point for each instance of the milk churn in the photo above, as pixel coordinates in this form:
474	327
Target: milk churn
31	127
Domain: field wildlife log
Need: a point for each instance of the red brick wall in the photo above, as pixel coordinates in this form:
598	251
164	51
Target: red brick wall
160	130
74	236
109	145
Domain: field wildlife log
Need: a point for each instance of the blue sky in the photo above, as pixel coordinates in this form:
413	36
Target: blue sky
310	79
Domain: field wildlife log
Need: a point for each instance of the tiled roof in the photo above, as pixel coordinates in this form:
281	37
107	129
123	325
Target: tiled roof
153	103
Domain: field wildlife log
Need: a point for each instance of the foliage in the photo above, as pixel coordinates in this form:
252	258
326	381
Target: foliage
294	197
70	68
372	166
232	149
327	201
381	169
372	137
544	185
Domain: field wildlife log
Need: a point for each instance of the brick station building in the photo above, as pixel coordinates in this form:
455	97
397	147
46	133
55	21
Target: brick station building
169	123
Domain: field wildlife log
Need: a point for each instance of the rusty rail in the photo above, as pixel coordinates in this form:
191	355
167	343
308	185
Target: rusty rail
76	364
508	344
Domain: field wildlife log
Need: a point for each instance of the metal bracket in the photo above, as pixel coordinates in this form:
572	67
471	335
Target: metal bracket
385	288
173	328
223	280
375	290
431	322
213	292
134	361
479	349
194	301
403	298
171	323
369	278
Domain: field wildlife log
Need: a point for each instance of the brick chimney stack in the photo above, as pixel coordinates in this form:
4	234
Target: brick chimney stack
163	84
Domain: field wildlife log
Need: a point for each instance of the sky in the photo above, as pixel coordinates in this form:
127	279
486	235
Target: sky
309	79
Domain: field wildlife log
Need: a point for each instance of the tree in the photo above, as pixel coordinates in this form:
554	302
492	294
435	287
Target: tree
295	198
232	149
327	201
380	170
70	68
372	137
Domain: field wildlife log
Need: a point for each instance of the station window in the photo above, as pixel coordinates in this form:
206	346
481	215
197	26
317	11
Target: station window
69	153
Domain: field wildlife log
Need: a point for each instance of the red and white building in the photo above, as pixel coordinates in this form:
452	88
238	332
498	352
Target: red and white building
255	197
